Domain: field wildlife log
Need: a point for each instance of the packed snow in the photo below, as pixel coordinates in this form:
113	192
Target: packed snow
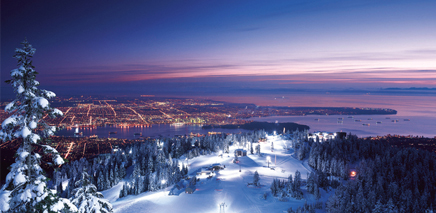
228	186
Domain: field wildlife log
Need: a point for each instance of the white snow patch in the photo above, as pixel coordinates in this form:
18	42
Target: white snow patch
23	155
56	111
16	73
57	207
4	200
73	208
8	107
25	132
34	138
20	89
58	160
33	125
7	121
19	178
40	189
43	102
51	130
50	94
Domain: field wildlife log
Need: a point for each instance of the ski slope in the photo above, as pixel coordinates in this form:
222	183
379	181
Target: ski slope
228	186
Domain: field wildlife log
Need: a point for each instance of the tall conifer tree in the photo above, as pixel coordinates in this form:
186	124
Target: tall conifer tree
25	189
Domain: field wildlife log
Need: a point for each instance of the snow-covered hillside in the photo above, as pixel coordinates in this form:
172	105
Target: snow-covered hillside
227	186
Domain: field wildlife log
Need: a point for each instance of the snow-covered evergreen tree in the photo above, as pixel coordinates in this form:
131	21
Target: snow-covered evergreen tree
310	186
316	192
258	150
100	181
25	189
87	199
136	170
256	178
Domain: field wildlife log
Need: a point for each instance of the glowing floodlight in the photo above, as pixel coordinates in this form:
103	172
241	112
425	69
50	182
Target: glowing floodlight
163	181
353	174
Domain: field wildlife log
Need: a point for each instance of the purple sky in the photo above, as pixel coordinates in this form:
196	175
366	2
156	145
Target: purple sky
218	48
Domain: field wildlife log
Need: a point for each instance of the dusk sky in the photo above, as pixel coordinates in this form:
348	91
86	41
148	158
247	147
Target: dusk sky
218	48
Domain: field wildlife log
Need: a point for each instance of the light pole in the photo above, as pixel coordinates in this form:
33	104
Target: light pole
162	183
222	207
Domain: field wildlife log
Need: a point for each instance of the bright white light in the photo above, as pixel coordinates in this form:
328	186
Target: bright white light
274	132
268	159
163	181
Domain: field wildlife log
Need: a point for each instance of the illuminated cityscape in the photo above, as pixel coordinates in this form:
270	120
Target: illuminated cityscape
218	106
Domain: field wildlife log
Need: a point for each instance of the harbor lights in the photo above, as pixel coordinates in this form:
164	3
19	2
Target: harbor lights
268	160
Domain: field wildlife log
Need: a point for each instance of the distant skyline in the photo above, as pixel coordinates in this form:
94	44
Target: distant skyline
219	48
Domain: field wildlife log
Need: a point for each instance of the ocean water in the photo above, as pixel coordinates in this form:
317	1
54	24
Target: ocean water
421	110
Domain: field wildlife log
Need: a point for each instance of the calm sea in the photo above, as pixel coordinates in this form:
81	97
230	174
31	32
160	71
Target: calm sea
420	110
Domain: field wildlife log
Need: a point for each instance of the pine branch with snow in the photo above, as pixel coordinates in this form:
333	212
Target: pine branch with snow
87	199
25	189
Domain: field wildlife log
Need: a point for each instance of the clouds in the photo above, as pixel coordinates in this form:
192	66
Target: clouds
298	45
363	68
